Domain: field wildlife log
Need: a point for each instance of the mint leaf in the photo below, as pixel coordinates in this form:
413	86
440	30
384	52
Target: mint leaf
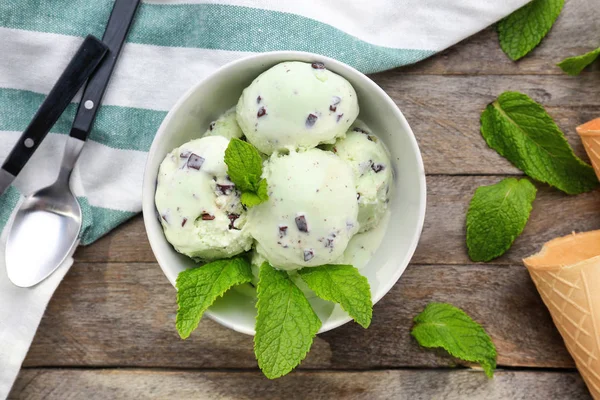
497	215
244	166
285	325
198	288
342	284
443	325
250	199
523	30
574	65
262	190
520	129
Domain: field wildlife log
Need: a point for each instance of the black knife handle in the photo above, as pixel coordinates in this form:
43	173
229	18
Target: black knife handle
81	66
118	25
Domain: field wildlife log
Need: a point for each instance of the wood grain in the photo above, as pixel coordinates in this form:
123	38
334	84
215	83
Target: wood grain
444	113
443	240
389	384
123	315
574	33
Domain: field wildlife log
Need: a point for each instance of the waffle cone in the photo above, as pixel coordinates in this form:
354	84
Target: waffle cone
590	136
567	274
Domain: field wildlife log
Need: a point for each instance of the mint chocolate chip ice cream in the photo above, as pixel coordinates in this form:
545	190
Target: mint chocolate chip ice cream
296	105
370	162
226	125
311	213
199	207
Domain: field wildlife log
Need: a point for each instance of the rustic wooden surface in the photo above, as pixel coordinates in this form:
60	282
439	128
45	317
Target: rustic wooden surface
109	330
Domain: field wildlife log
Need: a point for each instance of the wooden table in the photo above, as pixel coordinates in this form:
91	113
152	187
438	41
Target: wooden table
109	330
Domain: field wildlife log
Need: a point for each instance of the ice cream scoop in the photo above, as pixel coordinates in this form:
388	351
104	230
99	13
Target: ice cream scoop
311	213
199	207
296	105
370	162
226	125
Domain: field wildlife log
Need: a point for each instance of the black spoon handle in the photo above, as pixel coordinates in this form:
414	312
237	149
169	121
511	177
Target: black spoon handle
81	66
119	22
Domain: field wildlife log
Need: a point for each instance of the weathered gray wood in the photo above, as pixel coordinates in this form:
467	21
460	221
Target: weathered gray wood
575	32
388	384
443	239
123	315
444	113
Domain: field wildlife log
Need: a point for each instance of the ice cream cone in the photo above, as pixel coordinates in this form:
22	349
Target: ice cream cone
590	136
567	274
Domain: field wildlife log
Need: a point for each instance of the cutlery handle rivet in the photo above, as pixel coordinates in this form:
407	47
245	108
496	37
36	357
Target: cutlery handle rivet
29	143
88	104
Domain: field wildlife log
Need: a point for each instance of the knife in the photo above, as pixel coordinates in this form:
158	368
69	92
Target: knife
79	69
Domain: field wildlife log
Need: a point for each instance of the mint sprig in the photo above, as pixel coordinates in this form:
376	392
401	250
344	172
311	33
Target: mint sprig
342	284
443	325
244	166
198	288
497	215
285	325
520	130
574	65
523	30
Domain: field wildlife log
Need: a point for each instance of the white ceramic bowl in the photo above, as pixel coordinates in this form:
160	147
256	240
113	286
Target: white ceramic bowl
191	115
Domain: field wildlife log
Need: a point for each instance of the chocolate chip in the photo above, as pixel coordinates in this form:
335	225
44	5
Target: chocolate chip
357	129
308	255
207	217
357	196
183	222
372	138
232	219
377	167
335	149
195	161
301	223
318	65
211	126
285	246
261	112
329	243
339	117
225	189
185	154
165	218
282	231
310	120
258	100
335	100
332	108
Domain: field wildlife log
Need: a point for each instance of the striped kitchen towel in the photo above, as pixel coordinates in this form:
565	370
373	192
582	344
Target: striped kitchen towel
172	45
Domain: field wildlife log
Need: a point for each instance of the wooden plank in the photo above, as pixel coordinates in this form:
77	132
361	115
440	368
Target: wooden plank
388	384
444	113
575	32
443	238
554	214
123	315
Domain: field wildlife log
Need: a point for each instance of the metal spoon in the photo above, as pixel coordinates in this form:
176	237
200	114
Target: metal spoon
46	228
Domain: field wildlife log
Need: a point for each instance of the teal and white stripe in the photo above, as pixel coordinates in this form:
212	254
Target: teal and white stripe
171	46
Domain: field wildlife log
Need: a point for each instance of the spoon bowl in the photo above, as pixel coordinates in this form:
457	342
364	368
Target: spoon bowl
46	226
43	235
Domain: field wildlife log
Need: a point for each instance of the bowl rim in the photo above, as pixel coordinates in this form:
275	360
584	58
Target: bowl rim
149	178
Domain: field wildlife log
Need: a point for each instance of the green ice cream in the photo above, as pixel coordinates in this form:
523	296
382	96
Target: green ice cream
226	125
296	105
199	207
311	213
372	169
